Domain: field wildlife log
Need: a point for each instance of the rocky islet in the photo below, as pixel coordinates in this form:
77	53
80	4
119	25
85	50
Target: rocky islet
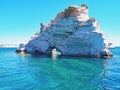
72	33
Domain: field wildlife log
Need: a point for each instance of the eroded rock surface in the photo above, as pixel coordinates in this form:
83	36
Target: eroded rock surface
72	32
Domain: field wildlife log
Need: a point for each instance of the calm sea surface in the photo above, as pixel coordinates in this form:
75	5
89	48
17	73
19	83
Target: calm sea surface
26	72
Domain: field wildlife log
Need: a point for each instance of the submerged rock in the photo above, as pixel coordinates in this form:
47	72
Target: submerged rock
72	32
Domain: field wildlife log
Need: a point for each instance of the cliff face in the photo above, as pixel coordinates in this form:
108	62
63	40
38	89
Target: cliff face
72	32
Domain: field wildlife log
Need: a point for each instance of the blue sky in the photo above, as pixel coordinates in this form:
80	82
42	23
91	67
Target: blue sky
20	19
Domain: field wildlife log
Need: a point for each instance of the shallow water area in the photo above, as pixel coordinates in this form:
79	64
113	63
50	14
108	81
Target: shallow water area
27	72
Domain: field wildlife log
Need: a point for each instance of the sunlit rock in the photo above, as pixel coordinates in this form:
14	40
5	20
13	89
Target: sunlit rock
72	32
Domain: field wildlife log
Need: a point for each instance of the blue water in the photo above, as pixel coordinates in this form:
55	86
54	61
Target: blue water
26	72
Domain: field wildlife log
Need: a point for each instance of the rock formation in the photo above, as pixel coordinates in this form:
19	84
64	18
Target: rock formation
72	32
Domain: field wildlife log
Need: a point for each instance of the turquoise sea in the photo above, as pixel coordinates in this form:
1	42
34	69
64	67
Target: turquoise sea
27	72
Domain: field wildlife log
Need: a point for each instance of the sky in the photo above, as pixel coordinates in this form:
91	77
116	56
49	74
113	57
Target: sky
20	19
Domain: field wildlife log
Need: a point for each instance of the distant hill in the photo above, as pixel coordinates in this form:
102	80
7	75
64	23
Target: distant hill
1	45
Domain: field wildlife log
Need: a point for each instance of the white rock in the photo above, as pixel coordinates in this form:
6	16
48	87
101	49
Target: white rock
72	33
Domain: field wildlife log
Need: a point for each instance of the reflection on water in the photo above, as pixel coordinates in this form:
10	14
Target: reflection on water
73	73
105	67
54	57
19	72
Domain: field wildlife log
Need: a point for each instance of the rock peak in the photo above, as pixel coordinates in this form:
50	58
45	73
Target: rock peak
75	11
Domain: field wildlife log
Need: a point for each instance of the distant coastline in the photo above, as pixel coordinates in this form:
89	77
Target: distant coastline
9	45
